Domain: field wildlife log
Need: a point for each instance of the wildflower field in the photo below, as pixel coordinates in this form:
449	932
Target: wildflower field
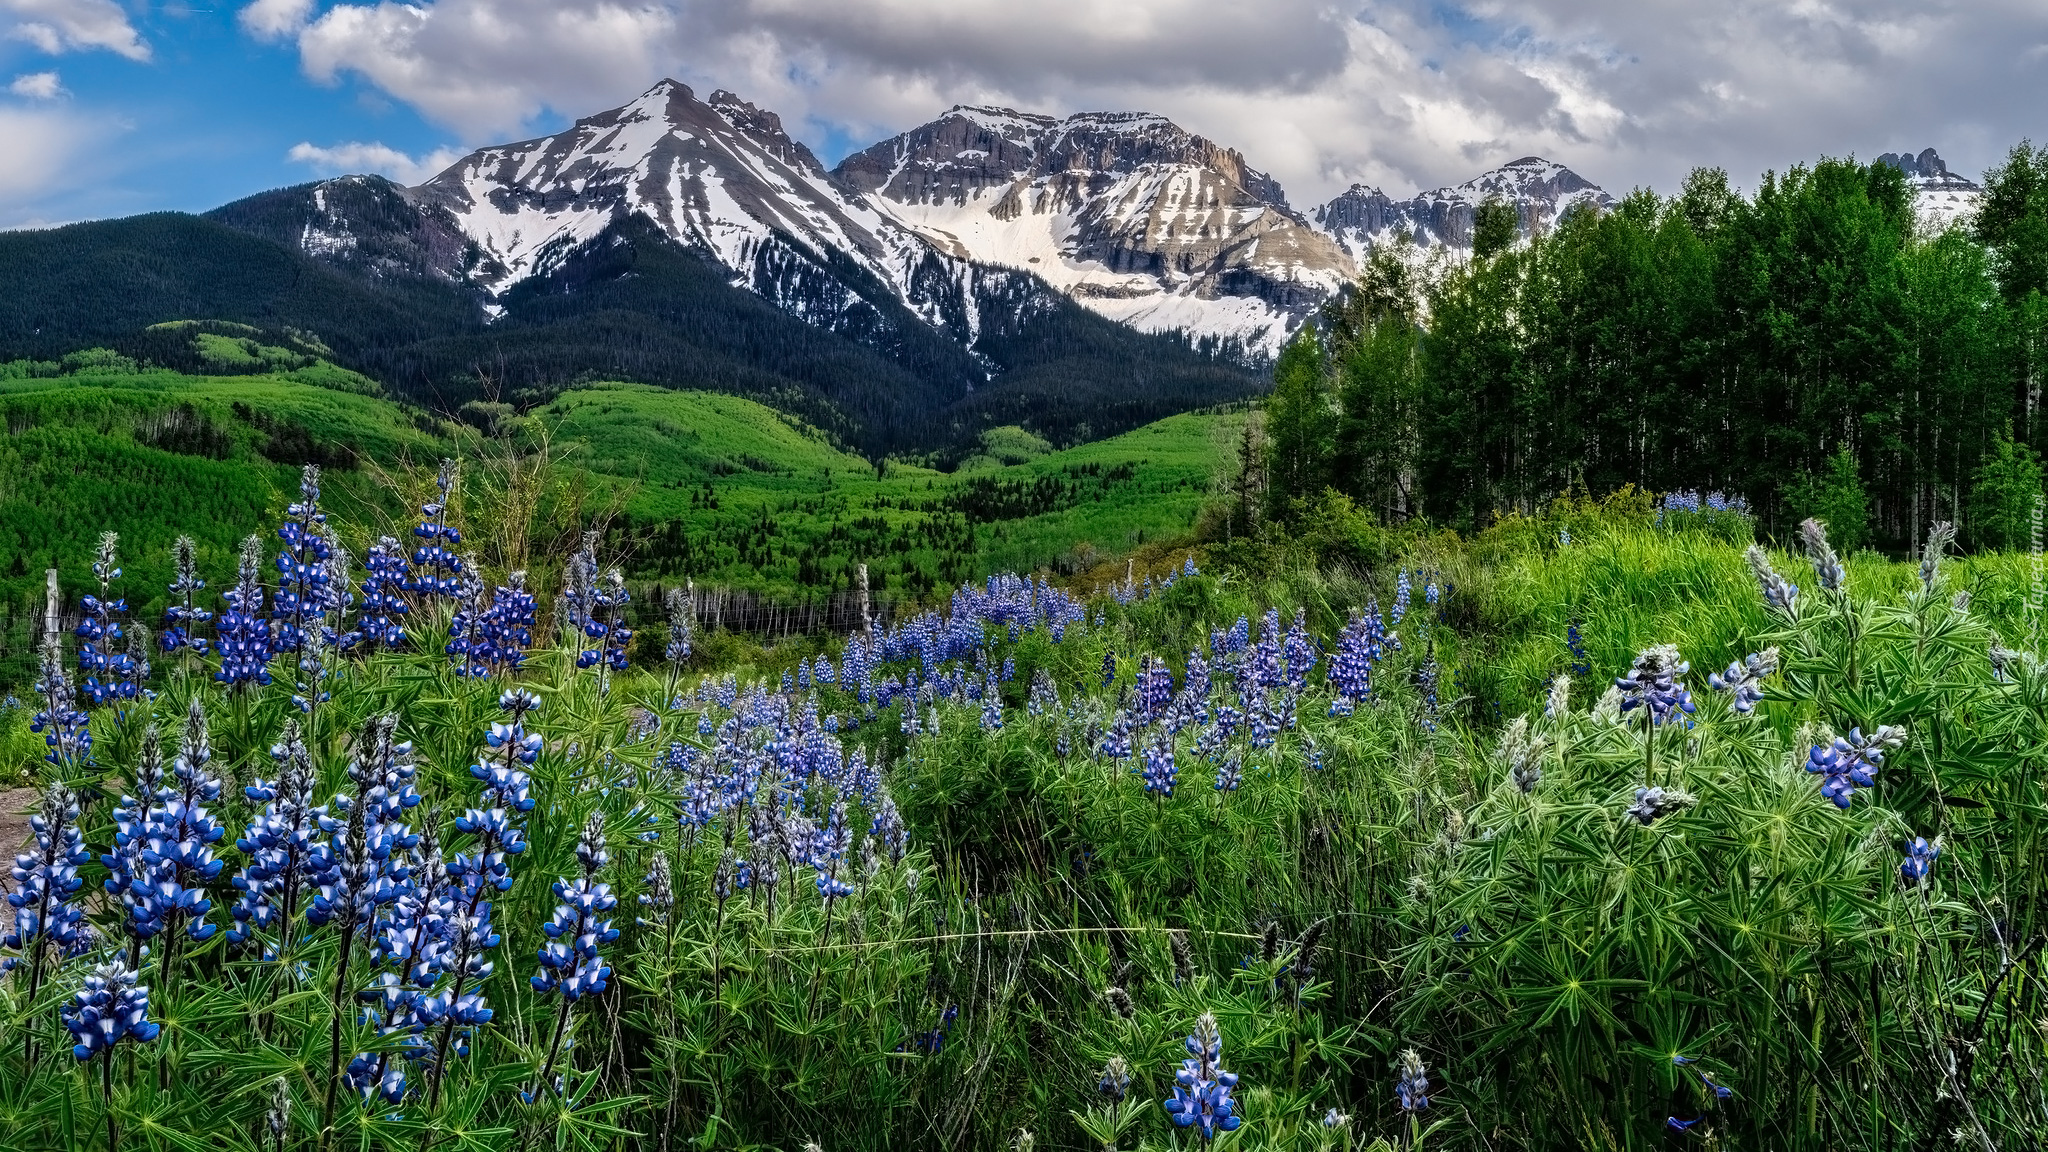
1596	831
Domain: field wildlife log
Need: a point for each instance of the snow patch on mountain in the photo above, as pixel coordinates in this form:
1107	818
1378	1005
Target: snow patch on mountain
1363	218
1940	197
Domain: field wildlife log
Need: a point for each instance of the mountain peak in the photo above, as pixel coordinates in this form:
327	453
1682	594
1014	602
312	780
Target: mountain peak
1541	191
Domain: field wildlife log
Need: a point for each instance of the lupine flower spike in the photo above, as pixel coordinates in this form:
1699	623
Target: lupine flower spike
1411	1087
1779	593
1202	1088
1852	763
1653	684
1744	679
183	618
1920	857
1827	567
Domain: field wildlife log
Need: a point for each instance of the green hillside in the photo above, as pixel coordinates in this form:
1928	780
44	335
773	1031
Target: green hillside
691	485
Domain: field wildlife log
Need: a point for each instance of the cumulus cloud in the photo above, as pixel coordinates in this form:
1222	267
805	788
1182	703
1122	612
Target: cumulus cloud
1406	94
356	157
275	19
72	25
37	86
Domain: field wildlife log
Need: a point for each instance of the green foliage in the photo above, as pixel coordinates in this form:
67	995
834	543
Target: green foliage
1379	881
2005	503
1496	225
1301	423
1836	498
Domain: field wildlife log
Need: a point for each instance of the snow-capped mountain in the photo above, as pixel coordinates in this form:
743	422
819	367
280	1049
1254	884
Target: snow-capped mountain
1363	217
965	225
1127	212
1940	196
719	176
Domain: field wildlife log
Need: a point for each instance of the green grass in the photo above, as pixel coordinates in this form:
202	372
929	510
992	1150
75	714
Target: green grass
714	488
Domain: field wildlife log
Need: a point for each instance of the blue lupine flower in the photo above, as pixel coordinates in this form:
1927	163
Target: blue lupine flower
1402	591
1581	664
180	834
280	843
1201	1094
1778	592
305	594
1827	567
1653	683
110	1008
360	869
1160	773
1721	1091
436	568
466	643
1676	1124
130	878
596	605
381	622
243	640
183	618
1230	776
1920	856
107	675
65	728
1358	647
1300	651
991	712
1654	803
1411	1088
45	881
1108	668
1116	1075
1849	764
1744	679
1155	688
570	962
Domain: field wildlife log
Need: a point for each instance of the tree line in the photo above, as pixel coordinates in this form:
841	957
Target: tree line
1812	346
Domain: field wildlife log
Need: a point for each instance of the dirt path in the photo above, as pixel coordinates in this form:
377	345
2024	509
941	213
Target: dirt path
15	806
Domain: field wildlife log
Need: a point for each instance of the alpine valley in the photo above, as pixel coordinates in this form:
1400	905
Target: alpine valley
1078	276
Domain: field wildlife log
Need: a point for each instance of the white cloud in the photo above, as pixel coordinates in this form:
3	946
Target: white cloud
69	25
1403	93
52	153
372	157
275	19
37	86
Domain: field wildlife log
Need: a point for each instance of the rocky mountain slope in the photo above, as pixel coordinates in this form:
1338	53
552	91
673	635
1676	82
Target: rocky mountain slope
1130	214
1941	197
1363	217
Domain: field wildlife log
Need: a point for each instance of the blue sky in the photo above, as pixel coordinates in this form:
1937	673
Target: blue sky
109	107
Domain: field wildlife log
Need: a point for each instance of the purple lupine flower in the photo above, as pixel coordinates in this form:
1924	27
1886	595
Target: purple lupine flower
1411	1087
1201	1094
385	578
183	618
305	594
106	674
436	568
1230	776
1402	591
181	832
110	1008
1852	763
1159	772
279	843
1351	671
45	882
362	868
131	879
569	961
1653	804
244	640
1779	593
466	640
1827	567
1300	651
65	728
1108	667
1653	684
1744	679
1920	857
